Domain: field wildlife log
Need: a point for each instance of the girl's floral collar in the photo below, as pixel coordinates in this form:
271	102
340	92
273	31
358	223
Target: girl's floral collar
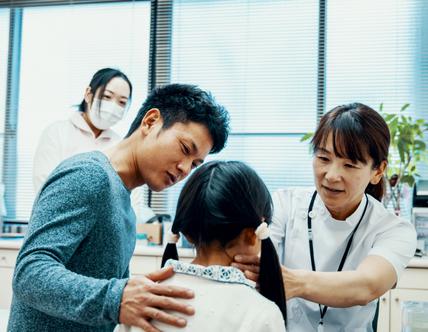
226	274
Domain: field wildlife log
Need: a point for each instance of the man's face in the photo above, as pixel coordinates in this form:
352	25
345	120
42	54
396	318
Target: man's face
168	155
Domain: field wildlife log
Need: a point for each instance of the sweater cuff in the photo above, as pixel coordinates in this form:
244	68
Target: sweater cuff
113	299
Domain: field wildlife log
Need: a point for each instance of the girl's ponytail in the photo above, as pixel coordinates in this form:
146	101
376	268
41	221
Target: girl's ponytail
170	249
270	276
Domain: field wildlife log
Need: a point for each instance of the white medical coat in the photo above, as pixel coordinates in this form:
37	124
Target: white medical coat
380	233
63	139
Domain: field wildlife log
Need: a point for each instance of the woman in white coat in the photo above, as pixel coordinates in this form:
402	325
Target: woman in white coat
89	128
340	247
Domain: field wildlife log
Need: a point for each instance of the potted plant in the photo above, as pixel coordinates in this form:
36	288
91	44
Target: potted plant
406	150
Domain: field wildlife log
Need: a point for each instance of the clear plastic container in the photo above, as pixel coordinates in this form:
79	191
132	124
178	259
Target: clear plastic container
414	316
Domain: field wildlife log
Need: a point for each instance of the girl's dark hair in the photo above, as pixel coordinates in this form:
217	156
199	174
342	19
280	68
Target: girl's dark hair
358	132
219	201
100	80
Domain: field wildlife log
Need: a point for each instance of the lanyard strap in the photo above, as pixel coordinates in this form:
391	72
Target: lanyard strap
345	254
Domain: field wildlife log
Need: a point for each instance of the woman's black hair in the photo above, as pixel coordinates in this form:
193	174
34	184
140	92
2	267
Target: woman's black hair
357	132
219	201
100	80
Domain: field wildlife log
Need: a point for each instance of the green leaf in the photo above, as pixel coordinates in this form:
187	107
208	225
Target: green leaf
409	179
381	107
306	137
389	117
394	122
401	150
404	107
420	145
408	144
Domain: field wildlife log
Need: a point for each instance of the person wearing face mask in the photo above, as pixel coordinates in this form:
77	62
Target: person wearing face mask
340	247
89	128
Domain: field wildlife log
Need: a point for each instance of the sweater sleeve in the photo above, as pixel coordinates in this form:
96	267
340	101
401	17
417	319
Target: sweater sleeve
62	217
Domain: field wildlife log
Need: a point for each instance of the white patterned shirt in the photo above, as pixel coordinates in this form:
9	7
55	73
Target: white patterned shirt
225	301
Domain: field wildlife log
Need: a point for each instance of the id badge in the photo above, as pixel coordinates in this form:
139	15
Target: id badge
320	327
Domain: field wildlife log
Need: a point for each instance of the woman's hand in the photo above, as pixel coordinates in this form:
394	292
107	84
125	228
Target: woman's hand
249	265
293	279
294	282
143	299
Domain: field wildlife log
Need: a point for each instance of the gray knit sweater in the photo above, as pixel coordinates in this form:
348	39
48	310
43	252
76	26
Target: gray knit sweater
73	265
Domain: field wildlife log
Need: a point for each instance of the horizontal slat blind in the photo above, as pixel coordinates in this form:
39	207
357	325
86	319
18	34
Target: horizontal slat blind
4	44
160	74
259	59
377	52
38	3
282	161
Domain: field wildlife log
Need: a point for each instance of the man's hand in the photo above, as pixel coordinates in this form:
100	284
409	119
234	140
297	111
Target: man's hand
249	265
143	299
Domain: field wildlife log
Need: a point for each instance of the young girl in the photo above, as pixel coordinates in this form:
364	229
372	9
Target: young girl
224	209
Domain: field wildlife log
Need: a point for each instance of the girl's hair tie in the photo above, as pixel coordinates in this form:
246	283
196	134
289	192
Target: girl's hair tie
173	238
262	232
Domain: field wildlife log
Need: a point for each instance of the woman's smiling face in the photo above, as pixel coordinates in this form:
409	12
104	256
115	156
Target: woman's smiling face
340	182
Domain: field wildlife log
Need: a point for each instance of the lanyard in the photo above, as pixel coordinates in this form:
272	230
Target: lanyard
345	254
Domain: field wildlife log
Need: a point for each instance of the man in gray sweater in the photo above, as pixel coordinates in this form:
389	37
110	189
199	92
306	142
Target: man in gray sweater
72	273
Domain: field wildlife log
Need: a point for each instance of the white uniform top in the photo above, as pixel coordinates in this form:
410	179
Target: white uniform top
380	233
225	301
63	139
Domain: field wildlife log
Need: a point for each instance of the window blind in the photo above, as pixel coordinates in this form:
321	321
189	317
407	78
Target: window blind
259	59
62	46
160	74
4	43
377	52
270	62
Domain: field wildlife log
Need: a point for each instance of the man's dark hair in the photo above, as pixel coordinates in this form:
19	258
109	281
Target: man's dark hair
187	103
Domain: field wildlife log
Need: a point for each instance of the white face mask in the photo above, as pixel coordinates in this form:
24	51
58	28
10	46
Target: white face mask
106	114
